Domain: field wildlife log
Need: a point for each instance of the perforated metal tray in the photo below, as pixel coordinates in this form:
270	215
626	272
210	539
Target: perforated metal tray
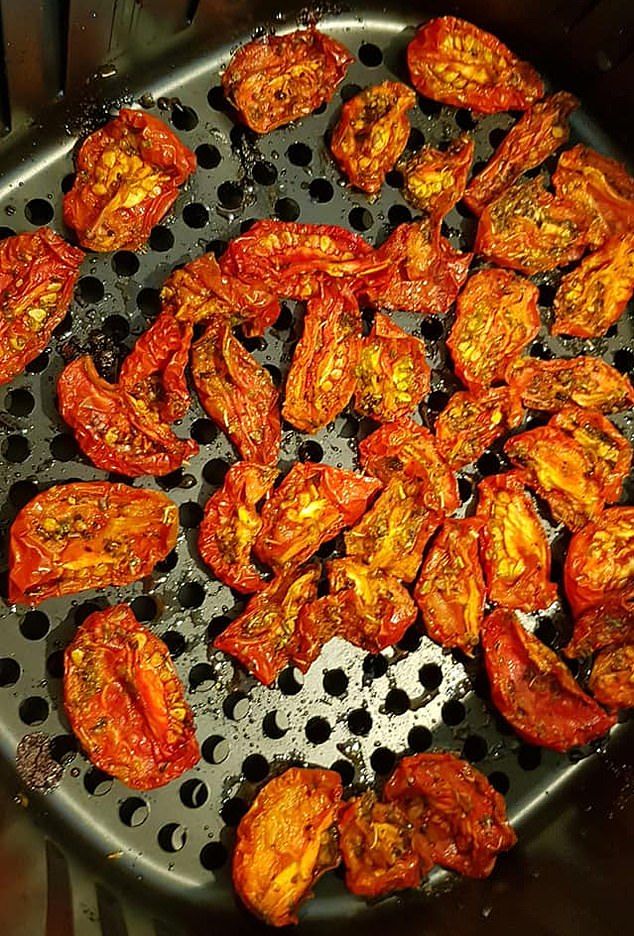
353	712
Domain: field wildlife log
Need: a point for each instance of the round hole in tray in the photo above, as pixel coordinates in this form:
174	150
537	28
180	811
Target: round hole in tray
299	154
318	730
97	783
144	607
275	724
397	702
149	302
287	209
195	215
349	91
191	595
475	748
172	837
19	402
345	770
264	173
255	768
321	190
214	471
125	263
184	117
335	682
15	448
201	676
500	781
34	710
430	675
453	712
194	793
161	239
213	856
360	721
382	760
233	810
133	811
175	642
38	211
34	625
419	739
9	671
370	55
215	749
55	664
375	665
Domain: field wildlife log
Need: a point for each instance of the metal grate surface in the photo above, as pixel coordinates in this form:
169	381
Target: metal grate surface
353	712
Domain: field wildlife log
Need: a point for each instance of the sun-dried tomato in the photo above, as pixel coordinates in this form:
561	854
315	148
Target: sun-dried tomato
472	421
434	180
607	449
599	564
125	702
128	175
610	624
277	79
612	678
38	273
534	690
585	381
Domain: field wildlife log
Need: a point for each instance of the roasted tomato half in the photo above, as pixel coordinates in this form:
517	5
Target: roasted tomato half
608	451
286	841
264	637
87	534
38	273
372	133
312	504
496	317
200	290
606	625
423	272
113	429
450	589
154	371
514	549
322	375
393	533
534	690
601	187
231	524
404	449
435	181
600	561
237	393
529	229
560	470
125	702
377	848
472	421
585	381
287	258
128	174
452	61
594	295
392	374
276	79
538	133
459	820
612	677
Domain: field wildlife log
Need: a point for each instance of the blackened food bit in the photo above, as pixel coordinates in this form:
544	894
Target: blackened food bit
35	763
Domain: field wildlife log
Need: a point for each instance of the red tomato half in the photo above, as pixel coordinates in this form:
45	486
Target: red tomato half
459	820
237	393
585	381
231	524
276	79
609	452
87	534
434	180
125	702
600	561
264	637
453	61
114	430
472	421
534	690
38	273
128	174
610	624
286	841
612	678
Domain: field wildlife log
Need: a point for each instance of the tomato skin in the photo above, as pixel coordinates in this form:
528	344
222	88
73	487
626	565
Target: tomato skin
286	841
289	258
264	637
237	393
459	820
277	79
585	381
534	690
529	229
453	61
424	272
38	273
560	470
610	624
154	371
125	702
601	187
371	133
612	677
124	532
593	296
200	290
609	452
393	533
376	846
496	317
406	450
231	524
434	181
312	504
322	375
128	175
392	373
112	430
450	590
471	422
368	608
538	133
513	546
600	561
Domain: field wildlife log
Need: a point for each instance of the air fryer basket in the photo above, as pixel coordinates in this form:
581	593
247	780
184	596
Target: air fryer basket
93	857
